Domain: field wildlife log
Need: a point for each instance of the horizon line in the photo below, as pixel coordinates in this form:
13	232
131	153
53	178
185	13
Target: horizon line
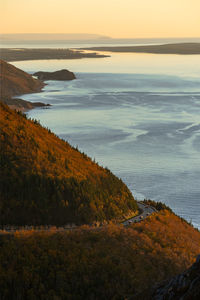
100	35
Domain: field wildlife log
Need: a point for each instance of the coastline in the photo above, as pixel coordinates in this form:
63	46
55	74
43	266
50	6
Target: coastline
23	105
178	48
14	83
22	54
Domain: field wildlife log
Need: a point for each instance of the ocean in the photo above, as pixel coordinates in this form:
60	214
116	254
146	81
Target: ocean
138	115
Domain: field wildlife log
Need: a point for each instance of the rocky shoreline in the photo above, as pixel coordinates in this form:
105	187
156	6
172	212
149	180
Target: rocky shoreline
14	81
23	105
185	286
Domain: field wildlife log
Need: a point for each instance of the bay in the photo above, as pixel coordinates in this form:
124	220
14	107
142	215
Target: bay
137	114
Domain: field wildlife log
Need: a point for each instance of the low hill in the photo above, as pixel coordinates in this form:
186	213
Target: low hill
179	48
46	181
113	262
14	81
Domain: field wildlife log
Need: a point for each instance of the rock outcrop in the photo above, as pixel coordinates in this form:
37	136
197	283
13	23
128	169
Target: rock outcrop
185	286
57	75
23	105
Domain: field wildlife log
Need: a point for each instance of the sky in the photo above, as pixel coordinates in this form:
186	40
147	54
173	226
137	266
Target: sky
113	18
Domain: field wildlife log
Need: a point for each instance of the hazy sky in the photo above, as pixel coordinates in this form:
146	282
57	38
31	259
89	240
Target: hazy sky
114	18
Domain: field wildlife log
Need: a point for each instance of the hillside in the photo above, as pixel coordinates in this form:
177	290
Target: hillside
90	263
14	81
46	181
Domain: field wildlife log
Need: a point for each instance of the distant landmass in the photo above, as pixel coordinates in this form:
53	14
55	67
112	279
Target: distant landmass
52	36
178	48
19	54
93	38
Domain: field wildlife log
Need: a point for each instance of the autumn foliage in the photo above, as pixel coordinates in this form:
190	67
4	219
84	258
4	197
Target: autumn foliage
46	181
111	262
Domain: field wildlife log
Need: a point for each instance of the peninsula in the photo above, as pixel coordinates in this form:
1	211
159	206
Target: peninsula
180	48
20	54
15	82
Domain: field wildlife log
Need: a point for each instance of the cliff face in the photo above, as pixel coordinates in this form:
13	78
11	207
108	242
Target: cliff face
185	286
46	181
14	81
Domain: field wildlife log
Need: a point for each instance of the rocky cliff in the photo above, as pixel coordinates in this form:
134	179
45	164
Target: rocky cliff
185	286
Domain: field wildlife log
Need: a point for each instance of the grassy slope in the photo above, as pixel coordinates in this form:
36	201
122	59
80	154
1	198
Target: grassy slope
88	263
46	181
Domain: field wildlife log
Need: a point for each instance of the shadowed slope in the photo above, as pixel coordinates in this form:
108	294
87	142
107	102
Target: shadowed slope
185	286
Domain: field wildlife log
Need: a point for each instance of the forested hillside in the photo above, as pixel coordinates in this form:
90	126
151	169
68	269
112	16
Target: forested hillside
110	262
46	181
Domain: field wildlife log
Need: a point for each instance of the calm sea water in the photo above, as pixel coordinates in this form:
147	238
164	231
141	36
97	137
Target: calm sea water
139	115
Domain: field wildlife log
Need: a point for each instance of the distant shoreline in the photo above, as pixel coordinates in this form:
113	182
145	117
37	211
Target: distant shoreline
22	54
178	48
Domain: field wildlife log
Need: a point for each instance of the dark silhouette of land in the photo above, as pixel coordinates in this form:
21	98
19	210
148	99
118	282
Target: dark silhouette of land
57	75
183	286
15	82
20	54
181	48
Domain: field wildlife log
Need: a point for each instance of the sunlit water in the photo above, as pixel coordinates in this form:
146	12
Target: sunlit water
139	115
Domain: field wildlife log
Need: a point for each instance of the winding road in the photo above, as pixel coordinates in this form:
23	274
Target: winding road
147	210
